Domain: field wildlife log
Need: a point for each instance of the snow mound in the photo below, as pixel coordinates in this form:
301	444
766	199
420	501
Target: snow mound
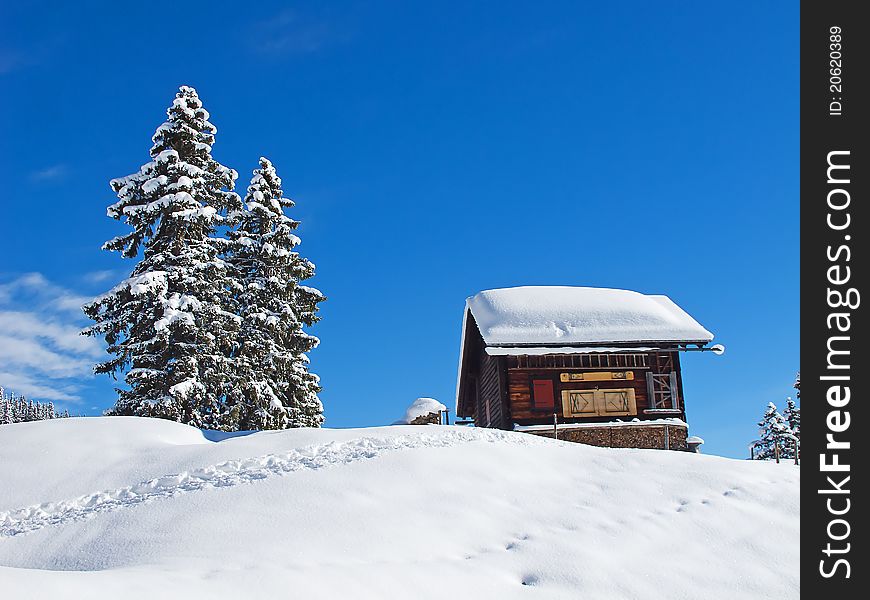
580	315
141	508
420	408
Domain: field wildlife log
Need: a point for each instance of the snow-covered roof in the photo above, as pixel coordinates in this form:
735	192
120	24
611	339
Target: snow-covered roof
545	315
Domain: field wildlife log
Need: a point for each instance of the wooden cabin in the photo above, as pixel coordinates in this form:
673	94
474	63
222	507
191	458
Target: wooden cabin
593	365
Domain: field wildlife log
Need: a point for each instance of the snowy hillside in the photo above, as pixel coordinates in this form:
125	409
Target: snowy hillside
140	508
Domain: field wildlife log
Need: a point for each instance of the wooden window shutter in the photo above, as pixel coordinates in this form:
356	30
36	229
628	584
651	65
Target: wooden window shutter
543	397
579	403
617	402
675	398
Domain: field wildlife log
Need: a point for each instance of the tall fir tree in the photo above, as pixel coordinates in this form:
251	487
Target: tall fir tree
169	325
272	387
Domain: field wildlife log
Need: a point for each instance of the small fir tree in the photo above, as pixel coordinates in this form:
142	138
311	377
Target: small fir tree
797	384
7	408
771	428
272	387
169	325
792	417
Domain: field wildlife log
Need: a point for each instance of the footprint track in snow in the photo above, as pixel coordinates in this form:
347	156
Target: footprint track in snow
232	473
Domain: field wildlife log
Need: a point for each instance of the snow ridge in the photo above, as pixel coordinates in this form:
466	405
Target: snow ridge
236	472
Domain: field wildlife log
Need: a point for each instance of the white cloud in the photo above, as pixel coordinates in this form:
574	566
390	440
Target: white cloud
290	32
26	386
101	276
52	173
42	354
38	291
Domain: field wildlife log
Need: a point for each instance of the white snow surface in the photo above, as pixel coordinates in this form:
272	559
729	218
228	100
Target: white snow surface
578	315
420	408
139	508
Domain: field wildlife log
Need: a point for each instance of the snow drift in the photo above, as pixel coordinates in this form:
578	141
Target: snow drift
142	508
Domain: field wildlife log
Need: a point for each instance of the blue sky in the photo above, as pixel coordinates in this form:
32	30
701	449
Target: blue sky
434	150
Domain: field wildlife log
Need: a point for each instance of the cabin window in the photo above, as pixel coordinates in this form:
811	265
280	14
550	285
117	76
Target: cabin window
543	396
599	403
662	390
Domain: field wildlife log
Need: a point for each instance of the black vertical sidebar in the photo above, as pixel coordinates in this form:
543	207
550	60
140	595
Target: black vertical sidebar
835	361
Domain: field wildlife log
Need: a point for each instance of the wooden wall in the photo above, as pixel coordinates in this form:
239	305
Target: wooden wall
483	383
492	410
520	374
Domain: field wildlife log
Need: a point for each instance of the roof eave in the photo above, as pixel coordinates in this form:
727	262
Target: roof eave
627	344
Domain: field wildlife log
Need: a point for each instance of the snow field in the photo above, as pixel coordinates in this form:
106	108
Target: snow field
394	512
225	474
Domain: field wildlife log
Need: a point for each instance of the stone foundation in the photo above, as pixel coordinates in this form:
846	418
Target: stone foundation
623	436
432	418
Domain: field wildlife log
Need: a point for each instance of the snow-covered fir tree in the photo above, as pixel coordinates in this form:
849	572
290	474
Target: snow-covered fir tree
792	417
18	409
771	428
7	414
170	322
272	386
792	413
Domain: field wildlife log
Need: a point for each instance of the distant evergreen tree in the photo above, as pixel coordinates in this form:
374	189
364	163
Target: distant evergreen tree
792	417
7	415
272	387
18	409
771	428
169	322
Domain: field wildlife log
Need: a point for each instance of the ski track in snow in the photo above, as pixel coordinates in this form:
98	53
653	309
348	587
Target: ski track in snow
232	473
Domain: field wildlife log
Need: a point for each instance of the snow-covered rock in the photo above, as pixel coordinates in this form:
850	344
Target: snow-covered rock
139	508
